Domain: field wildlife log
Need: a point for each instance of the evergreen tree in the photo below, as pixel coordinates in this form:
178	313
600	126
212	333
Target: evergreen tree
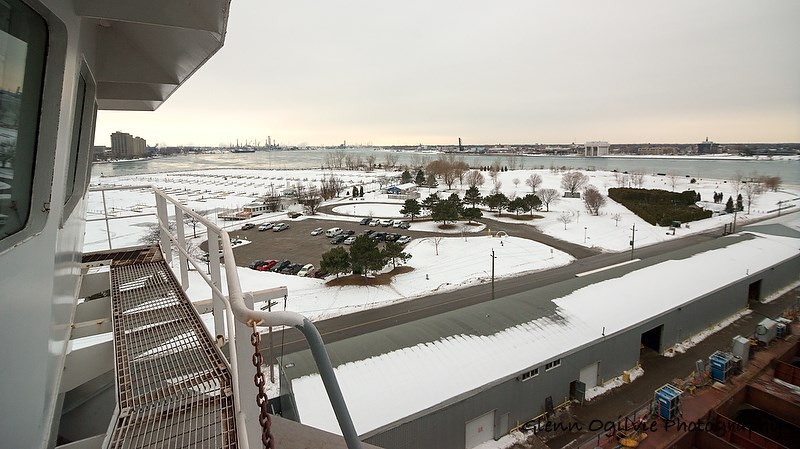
447	210
430	201
533	202
365	255
472	196
471	213
518	205
355	191
739	203
393	253
361	191
335	261
420	179
729	205
412	208
405	177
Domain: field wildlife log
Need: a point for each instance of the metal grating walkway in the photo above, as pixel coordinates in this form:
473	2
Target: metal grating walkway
174	387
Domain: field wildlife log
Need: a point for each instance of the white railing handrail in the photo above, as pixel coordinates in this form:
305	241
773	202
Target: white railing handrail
236	310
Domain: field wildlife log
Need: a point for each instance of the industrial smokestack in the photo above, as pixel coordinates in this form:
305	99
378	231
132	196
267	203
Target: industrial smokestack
459	145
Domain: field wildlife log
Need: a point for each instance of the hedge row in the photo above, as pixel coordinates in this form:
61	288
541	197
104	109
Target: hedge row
659	207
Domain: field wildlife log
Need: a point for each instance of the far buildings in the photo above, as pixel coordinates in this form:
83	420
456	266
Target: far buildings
125	146
707	147
595	148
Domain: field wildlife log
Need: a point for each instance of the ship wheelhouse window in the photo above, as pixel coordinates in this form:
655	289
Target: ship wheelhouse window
78	172
23	51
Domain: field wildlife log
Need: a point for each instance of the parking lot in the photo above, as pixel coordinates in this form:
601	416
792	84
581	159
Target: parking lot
296	243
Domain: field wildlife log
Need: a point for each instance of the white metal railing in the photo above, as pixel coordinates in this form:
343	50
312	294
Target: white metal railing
236	310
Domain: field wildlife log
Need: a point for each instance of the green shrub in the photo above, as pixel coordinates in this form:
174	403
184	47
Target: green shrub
659	207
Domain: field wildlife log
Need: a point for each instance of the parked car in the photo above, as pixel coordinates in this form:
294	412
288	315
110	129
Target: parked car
348	233
404	225
333	232
403	239
374	222
280	227
280	265
392	237
317	231
365	221
265	227
367	232
255	264
268	264
386	222
319	274
349	240
292	269
307	270
294	214
396	223
247	226
338	239
380	236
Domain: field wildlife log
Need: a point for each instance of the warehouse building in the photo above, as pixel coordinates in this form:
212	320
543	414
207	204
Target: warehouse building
464	377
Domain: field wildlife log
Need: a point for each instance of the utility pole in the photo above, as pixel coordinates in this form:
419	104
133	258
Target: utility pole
633	237
493	257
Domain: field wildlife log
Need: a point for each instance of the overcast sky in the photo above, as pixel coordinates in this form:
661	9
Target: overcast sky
409	72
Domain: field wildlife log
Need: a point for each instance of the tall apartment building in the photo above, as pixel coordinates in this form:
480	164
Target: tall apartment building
124	145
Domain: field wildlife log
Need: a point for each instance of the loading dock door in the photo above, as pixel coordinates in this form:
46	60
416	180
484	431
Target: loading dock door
589	375
480	430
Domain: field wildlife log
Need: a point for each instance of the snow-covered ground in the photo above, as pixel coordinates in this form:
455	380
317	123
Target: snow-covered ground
460	262
464	255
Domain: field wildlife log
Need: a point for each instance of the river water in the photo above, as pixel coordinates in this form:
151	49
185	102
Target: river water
716	168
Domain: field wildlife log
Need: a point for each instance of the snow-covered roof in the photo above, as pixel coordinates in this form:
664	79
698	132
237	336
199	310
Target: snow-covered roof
419	376
406	186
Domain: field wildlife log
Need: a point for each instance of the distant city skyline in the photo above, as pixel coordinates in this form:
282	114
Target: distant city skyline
308	73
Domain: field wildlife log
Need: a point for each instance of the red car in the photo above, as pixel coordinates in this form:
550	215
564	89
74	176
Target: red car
269	264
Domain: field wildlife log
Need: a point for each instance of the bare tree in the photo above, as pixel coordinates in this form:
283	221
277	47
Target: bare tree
637	178
391	160
673	179
349	162
565	218
497	185
331	187
475	178
616	218
516	182
370	162
548	197
444	169
533	181
460	168
752	189
311	198
593	199
574	181
436	241
736	182
512	160
772	182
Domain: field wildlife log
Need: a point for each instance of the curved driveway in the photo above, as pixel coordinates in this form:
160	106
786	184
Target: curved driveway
349	325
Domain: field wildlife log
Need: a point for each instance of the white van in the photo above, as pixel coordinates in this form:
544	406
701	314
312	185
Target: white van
333	232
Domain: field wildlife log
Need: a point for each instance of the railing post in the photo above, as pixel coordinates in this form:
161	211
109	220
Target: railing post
163	221
247	389
216	279
183	263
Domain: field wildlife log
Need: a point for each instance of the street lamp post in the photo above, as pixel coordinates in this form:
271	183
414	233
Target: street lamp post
584	234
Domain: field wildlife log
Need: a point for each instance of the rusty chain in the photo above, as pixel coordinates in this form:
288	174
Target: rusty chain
261	398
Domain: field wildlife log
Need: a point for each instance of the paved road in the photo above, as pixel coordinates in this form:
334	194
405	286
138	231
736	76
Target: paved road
358	323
